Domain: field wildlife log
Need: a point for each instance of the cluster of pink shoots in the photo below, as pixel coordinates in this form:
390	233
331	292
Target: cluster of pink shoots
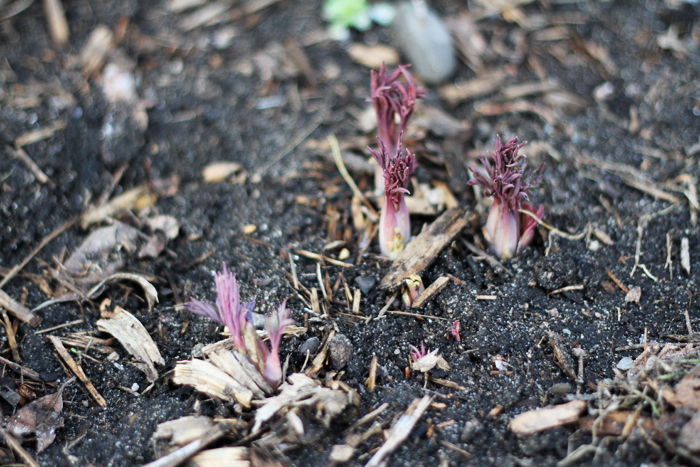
394	97
508	229
238	318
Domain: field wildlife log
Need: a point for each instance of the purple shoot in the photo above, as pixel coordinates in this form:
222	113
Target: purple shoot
418	354
275	324
393	95
455	330
394	222
508	230
228	309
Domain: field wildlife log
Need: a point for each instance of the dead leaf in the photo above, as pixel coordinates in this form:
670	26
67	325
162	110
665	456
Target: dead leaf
430	361
41	417
534	421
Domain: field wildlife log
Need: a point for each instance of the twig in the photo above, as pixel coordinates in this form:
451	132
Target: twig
312	255
11	340
31	165
56	17
386	307
338	158
567	289
301	136
20	311
489	259
400	431
554	230
416	315
13	272
369	417
617	281
669	250
16	447
22	370
77	370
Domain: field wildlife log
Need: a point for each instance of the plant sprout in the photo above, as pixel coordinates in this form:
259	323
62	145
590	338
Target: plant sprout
394	222
238	319
358	14
507	229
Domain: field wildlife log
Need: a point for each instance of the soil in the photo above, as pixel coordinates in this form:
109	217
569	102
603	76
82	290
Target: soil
204	105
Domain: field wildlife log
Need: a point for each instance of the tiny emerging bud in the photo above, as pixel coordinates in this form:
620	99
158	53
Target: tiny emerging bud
414	287
507	229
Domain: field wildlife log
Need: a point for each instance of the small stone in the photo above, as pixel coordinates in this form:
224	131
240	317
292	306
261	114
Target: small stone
471	429
258	320
634	295
561	389
344	254
594	245
625	363
135	387
341	351
426	41
365	283
197	351
311	346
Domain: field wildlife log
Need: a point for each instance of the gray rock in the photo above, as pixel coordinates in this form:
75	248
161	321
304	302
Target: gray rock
625	363
258	320
311	346
560	389
471	429
341	351
365	283
425	40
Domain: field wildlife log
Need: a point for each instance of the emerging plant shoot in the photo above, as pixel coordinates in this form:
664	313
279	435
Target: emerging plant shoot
238	319
392	95
394	222
507	229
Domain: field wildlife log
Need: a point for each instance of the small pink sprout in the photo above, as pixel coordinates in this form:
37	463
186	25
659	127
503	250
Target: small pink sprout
417	354
455	330
236	316
507	229
414	287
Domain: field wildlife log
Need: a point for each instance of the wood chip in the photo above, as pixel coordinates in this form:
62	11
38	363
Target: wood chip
207	378
222	457
56	17
400	431
240	369
432	289
77	370
219	171
31	165
38	135
135	338
561	354
473	89
423	249
18	310
178	456
373	56
22	370
685	254
538	420
372	379
92	55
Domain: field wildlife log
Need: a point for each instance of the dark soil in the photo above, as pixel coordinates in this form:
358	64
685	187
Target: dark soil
204	110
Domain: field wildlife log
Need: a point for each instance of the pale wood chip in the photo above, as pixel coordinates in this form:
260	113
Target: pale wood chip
538	420
223	457
207	378
473	89
219	171
373	56
135	338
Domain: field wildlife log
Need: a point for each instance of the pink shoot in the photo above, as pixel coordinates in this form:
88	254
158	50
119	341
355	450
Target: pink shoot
394	222
507	229
455	330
